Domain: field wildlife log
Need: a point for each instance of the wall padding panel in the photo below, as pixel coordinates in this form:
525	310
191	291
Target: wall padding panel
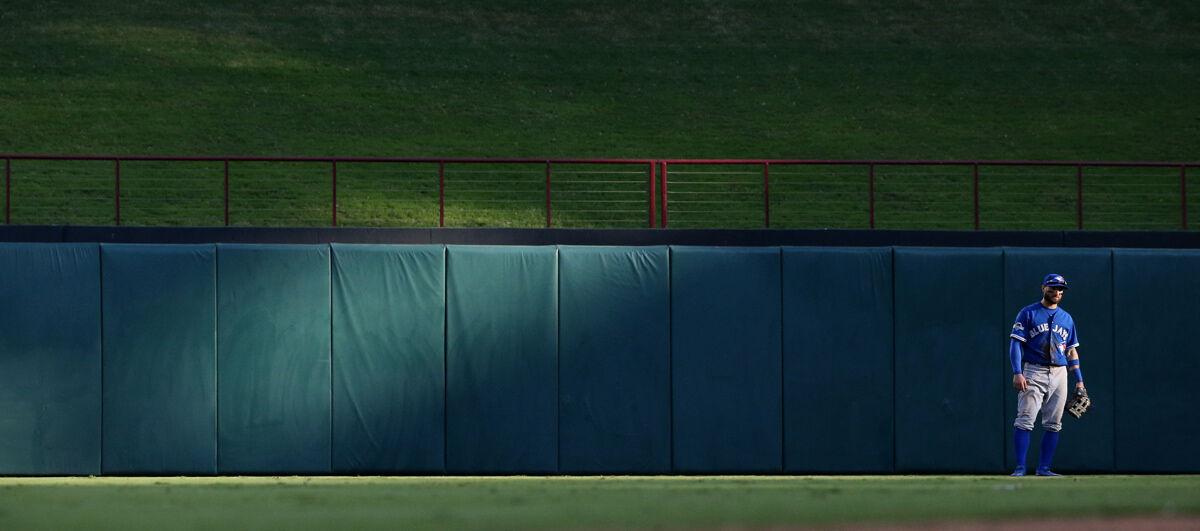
273	358
950	332
1157	313
726	359
614	366
837	347
502	359
1086	444
389	311
49	359
160	380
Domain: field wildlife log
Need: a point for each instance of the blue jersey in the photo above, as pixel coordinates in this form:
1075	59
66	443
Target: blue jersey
1045	335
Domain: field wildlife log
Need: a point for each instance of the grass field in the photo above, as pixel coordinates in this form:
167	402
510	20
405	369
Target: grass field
929	79
579	503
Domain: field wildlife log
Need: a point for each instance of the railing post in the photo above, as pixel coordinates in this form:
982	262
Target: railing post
1183	197
662	175
7	191
549	216
227	193
975	175
652	189
871	195
441	193
767	195
1079	196
117	191
333	178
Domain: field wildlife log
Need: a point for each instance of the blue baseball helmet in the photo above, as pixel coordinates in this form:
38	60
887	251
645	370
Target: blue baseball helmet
1055	279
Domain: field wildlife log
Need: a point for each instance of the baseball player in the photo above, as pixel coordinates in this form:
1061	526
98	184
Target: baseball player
1043	348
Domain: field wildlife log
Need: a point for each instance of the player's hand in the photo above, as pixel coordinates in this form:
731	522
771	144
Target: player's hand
1079	385
1019	382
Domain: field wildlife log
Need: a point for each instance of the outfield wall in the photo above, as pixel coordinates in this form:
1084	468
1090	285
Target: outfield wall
430	359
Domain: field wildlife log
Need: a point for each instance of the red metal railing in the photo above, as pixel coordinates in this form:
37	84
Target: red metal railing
600	192
1124	195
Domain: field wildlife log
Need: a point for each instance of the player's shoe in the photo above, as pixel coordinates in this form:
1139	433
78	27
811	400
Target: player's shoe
1045	472
1020	471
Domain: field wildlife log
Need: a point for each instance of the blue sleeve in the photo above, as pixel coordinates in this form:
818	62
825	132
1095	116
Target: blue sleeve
1014	355
1020	327
1072	338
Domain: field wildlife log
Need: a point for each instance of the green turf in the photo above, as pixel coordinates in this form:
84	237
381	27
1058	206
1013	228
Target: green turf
937	79
579	503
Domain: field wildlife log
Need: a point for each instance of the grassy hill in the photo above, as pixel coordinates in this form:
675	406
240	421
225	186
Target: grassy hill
1107	80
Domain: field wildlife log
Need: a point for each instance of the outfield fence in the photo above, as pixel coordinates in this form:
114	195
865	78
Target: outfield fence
597	193
236	358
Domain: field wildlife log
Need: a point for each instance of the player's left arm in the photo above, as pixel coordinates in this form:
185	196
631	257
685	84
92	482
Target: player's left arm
1073	357
1073	366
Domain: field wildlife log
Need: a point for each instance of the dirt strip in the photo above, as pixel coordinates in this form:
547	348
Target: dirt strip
1127	523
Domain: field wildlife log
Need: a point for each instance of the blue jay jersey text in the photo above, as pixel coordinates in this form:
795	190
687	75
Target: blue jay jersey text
1045	335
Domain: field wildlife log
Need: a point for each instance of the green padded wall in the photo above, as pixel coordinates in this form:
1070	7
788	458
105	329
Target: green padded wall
501	359
950	336
273	358
614	366
1086	444
1156	295
726	359
160	388
49	359
394	359
837	357
389	311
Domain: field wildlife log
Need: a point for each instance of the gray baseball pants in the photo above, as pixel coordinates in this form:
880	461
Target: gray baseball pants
1047	392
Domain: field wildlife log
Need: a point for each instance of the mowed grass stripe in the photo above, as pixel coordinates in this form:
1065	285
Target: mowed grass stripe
578	503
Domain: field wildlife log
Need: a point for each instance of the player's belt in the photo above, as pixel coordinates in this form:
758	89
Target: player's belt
1047	365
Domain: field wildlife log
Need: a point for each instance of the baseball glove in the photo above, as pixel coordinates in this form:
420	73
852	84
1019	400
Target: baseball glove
1079	403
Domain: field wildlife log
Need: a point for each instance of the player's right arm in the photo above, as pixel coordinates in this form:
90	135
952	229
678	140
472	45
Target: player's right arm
1016	339
1014	356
